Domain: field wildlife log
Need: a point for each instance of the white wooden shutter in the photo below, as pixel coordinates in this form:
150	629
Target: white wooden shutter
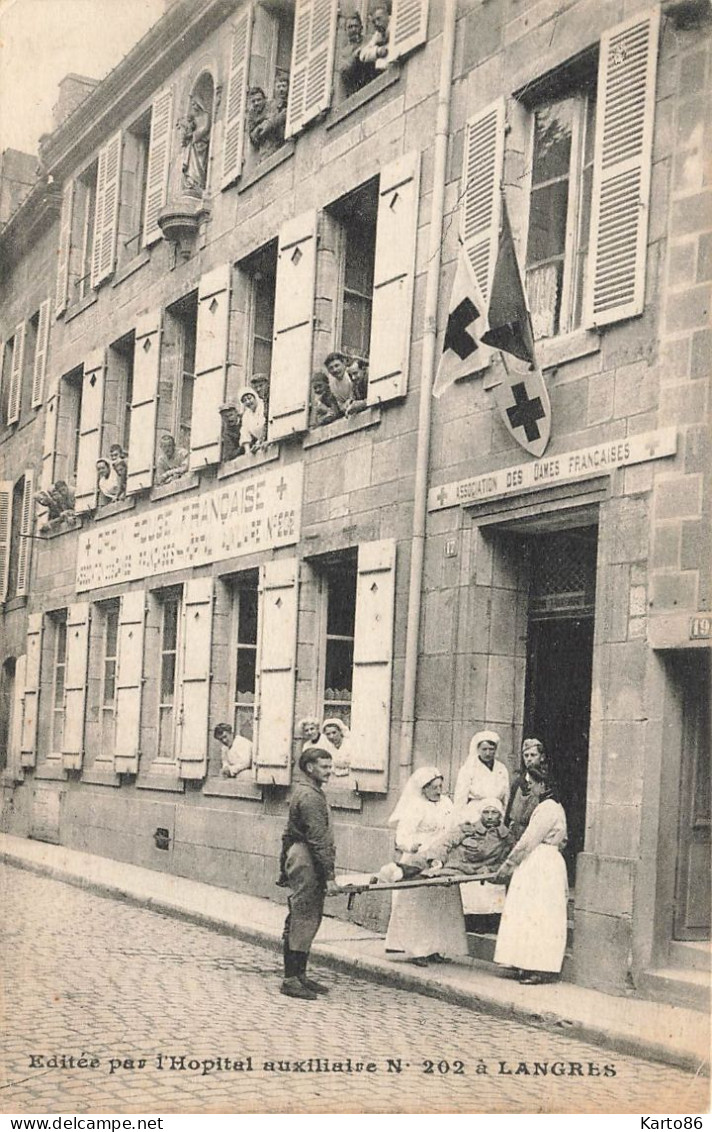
144	403
49	443
90	431
30	707
483	165
15	735
40	369
75	684
106	223
276	671
24	554
210	366
373	664
394	277
293	327
195	678
129	681
408	26
615	283
5	535
312	69
236	101
64	250
17	364
159	153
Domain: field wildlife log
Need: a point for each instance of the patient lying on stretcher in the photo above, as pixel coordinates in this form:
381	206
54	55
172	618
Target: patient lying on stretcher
474	848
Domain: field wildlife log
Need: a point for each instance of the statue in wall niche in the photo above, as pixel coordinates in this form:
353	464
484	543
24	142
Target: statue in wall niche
195	142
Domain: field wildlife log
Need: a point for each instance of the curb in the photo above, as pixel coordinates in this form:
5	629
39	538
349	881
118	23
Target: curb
384	973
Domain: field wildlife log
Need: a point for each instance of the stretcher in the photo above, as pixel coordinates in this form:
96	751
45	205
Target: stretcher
350	886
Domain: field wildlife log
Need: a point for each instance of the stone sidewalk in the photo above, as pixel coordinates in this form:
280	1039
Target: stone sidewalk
628	1025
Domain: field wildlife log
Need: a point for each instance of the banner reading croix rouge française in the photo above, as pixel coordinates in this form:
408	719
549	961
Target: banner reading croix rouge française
252	513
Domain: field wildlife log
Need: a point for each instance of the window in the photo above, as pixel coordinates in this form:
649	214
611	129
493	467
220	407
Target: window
83	232
175	407
110	635
134	180
270	62
118	397
58	680
260	270
70	413
18	494
168	672
339	580
244	636
563	132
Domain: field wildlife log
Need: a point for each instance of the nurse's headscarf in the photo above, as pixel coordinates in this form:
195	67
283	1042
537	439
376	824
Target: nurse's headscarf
483	737
411	802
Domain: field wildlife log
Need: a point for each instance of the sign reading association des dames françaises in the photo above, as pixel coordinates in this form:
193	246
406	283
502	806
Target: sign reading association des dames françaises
583	463
252	513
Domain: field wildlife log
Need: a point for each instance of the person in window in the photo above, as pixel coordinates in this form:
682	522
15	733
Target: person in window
172	461
522	801
310	731
352	71
260	383
480	776
306	866
276	119
532	932
265	121
324	406
195	140
337	740
119	470
63	496
425	923
230	424
253	426
236	755
103	472
340	383
375	52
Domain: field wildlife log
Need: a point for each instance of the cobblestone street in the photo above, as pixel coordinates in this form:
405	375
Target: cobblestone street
87	976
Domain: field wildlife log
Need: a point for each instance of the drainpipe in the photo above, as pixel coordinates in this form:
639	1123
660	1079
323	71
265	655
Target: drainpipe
420	502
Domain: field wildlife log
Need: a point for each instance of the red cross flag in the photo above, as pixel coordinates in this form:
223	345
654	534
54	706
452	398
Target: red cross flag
463	353
522	396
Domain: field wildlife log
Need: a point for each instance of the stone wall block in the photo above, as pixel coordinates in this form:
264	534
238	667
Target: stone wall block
674	591
602	945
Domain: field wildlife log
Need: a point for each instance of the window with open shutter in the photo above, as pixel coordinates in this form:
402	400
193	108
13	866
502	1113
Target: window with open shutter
394	278
49	442
236	102
107	211
483	164
312	67
24	556
65	242
129	681
195	678
144	403
159	154
5	535
210	366
293	327
276	671
14	744
92	407
75	685
373	665
408	26
621	170
40	367
30	707
17	365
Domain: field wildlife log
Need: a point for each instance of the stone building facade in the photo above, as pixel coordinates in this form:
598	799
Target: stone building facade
414	573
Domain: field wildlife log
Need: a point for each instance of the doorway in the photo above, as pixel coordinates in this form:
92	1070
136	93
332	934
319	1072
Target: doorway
557	705
692	878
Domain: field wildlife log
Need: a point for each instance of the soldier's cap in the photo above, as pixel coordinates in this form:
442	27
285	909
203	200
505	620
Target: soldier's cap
224	408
